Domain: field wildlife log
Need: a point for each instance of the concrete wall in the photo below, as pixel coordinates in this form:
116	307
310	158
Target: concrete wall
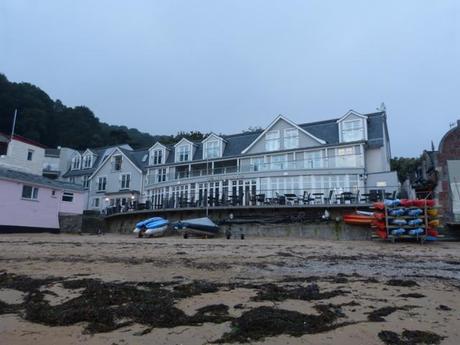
289	224
70	223
16	157
304	140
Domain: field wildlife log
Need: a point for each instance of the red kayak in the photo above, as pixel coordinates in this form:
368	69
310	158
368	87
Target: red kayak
358	219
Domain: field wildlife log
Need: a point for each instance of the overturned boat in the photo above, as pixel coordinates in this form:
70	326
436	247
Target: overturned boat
197	226
152	227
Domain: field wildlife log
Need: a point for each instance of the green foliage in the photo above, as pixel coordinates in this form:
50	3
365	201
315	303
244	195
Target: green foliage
405	167
54	124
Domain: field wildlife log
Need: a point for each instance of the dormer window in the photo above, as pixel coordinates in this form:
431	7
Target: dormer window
183	153
76	163
272	141
87	161
157	157
291	138
211	149
352	130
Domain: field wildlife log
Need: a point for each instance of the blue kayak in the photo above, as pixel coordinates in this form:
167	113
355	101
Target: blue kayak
155	226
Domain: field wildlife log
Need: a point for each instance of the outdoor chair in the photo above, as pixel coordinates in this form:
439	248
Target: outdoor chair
328	199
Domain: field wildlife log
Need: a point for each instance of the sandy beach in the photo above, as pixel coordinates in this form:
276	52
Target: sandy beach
115	289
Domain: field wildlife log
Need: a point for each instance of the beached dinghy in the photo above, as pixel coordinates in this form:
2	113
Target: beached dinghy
197	226
152	227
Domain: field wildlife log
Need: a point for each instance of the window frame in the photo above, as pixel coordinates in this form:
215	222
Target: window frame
276	140
180	156
33	192
126	182
99	183
67	195
291	137
347	133
30	155
216	149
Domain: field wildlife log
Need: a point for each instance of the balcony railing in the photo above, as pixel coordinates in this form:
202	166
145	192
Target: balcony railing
247	197
337	162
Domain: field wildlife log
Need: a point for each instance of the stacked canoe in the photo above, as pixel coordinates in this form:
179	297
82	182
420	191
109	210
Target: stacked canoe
406	218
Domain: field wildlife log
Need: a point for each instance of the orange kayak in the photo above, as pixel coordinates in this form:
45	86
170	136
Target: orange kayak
358	219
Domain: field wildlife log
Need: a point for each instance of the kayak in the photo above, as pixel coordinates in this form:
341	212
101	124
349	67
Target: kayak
152	227
358	219
197	226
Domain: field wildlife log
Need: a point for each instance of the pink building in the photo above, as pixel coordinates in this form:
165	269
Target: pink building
32	203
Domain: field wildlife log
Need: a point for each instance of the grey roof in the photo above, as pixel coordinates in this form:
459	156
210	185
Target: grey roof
24	177
137	157
327	130
101	153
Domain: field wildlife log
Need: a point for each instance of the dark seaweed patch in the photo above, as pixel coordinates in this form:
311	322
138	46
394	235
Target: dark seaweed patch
194	288
378	315
410	338
401	282
273	292
261	322
412	295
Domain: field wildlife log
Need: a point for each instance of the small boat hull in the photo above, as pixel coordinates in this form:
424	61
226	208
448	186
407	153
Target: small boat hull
156	232
198	227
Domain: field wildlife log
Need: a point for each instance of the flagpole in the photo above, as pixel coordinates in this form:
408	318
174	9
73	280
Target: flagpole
14	123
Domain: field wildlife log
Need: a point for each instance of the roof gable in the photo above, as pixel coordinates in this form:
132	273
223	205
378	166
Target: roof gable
115	152
158	145
276	120
351	113
182	141
212	136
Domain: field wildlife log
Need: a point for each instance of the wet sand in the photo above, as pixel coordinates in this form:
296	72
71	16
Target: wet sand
354	279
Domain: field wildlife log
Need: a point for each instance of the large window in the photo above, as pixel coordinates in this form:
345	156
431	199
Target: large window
183	153
348	157
313	160
87	161
272	141
75	163
211	149
85	181
291	138
161	175
68	197
125	181
257	164
157	157
101	183
352	130
279	162
29	192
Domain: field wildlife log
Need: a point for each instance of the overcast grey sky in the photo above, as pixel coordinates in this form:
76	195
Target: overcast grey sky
222	66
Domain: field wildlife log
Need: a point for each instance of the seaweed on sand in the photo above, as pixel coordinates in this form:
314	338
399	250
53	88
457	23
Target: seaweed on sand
401	282
378	315
261	322
194	288
410	338
273	292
